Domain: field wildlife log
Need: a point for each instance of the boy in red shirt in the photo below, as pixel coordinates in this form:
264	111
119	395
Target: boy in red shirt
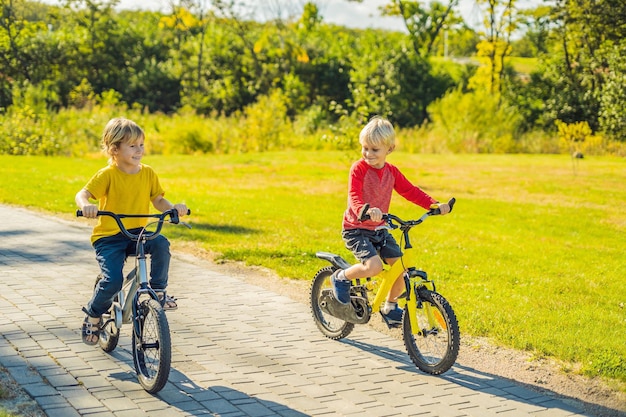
372	181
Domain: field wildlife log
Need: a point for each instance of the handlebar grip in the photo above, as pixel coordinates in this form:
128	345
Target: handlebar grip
174	218
451	203
436	211
363	213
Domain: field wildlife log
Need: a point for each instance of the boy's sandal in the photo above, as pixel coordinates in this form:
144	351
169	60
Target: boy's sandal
91	331
169	303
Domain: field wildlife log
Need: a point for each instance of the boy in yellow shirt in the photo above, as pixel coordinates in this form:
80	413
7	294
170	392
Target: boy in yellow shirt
125	186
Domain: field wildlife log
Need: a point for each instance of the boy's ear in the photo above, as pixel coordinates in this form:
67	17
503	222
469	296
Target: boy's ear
391	148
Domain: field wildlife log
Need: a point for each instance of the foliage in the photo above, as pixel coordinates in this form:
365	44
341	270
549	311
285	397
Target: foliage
580	81
536	39
217	65
474	122
424	22
266	125
612	119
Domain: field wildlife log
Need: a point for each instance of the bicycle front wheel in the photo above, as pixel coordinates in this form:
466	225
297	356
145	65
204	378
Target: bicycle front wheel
434	345
330	326
152	348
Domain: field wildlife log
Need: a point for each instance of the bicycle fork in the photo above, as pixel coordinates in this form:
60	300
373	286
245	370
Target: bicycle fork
413	280
140	289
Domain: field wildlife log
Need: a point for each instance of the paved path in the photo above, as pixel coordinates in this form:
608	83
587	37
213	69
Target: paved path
239	350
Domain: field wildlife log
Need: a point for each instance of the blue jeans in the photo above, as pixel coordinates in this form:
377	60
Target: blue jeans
111	253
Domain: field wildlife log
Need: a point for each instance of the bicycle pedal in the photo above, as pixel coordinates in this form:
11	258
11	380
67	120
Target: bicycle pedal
390	325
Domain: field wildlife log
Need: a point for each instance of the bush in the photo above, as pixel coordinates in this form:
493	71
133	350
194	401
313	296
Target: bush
474	122
266	125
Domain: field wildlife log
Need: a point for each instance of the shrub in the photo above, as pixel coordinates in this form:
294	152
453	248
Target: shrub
474	122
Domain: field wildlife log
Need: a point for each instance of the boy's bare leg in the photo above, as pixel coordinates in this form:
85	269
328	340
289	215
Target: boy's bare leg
371	267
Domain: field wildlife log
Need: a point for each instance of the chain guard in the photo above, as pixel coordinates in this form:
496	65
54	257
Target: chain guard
357	311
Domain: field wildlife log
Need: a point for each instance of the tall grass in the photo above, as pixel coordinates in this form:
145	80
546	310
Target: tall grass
532	256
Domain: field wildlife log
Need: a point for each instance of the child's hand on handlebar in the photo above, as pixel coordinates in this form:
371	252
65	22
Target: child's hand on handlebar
375	214
444	208
90	211
181	208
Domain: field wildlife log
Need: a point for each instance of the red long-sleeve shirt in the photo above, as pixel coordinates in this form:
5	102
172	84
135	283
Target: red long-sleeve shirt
375	186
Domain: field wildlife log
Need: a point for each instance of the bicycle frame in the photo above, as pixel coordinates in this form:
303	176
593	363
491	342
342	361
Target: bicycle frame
388	277
405	267
136	282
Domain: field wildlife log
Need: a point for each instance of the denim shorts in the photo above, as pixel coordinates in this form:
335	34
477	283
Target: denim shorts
365	244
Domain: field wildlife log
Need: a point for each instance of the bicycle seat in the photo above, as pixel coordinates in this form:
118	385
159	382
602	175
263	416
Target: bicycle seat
334	259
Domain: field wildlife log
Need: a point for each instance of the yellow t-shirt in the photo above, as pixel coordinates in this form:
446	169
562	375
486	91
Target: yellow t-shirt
122	193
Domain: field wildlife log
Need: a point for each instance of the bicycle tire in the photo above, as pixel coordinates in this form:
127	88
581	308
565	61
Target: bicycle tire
109	334
332	327
152	348
432	350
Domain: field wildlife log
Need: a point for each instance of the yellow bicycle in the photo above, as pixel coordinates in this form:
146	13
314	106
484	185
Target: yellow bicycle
429	326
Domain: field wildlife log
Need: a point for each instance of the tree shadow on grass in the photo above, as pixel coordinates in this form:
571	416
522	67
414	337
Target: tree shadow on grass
227	229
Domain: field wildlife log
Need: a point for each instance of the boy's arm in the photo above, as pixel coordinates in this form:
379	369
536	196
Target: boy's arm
162	204
89	209
416	195
411	192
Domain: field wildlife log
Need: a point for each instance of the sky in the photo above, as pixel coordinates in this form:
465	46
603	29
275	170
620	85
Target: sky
341	12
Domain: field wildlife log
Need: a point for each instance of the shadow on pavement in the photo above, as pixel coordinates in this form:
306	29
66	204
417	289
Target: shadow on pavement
483	382
221	400
183	394
34	253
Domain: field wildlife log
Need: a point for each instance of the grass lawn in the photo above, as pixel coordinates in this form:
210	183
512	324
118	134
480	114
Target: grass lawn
532	256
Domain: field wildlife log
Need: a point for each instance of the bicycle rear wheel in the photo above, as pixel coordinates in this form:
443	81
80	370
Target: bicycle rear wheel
434	345
152	348
330	326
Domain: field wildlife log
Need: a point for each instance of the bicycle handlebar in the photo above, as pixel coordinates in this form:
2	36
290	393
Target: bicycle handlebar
173	213
405	225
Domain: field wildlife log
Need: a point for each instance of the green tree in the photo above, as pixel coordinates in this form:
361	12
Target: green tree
612	96
581	80
25	52
536	39
424	23
500	23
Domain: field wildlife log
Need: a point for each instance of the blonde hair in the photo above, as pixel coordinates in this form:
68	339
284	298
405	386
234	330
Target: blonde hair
119	130
378	132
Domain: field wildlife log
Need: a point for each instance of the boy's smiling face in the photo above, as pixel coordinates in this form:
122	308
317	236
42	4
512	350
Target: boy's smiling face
375	155
128	156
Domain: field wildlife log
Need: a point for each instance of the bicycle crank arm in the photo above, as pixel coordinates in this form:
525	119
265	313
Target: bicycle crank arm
346	312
